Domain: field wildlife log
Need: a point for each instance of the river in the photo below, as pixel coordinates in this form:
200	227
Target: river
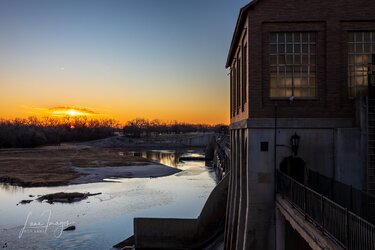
104	220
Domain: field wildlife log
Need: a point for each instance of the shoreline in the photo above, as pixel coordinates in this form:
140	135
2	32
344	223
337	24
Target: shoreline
99	174
71	164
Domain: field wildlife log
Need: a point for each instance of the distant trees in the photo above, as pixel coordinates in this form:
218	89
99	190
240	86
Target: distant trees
142	127
32	132
135	127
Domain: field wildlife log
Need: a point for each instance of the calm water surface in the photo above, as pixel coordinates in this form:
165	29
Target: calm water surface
104	220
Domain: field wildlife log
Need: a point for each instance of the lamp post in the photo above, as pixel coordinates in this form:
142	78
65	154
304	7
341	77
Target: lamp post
294	143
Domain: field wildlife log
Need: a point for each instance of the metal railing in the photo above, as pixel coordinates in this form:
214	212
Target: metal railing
222	159
344	227
357	201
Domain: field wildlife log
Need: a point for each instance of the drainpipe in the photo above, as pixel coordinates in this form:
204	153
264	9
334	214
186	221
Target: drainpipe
274	148
275	168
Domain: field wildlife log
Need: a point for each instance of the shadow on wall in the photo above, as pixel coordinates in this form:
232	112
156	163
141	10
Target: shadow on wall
294	167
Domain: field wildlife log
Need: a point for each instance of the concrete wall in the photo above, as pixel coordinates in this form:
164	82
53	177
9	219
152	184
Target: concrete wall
250	201
316	148
154	233
324	146
350	158
260	182
199	140
334	152
161	233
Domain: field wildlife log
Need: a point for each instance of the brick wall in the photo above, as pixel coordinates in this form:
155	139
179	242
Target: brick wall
332	20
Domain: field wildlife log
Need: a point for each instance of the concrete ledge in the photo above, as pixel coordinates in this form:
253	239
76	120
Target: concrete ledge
301	123
315	238
155	233
175	233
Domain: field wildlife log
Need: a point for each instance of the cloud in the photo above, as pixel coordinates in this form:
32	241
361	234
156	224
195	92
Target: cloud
71	111
61	111
79	109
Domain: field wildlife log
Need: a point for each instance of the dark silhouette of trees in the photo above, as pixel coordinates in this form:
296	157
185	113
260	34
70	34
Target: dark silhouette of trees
34	132
141	127
136	127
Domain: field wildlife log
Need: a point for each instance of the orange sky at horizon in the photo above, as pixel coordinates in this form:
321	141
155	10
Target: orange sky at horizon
122	60
123	96
26	112
192	107
122	102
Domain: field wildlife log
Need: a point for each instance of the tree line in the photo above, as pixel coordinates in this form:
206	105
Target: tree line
143	127
32	132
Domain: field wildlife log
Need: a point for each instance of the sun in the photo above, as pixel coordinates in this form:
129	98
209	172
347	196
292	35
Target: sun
70	111
73	112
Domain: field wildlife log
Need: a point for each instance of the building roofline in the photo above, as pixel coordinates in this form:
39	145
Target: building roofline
240	22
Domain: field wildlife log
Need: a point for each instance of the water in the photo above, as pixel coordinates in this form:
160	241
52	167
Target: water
104	220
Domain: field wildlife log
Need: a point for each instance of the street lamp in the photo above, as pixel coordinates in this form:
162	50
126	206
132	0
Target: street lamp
294	143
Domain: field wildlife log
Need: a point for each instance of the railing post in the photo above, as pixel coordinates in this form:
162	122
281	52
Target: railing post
347	227
284	185
277	182
305	200
292	192
372	244
351	198
322	211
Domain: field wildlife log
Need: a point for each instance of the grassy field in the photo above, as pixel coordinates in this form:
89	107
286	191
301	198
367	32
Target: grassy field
51	166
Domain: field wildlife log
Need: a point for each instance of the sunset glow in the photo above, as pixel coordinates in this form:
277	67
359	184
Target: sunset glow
123	60
69	111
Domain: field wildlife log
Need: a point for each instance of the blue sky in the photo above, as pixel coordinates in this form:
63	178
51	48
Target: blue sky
132	58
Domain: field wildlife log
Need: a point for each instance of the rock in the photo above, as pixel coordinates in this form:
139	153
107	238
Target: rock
92	194
23	202
65	197
70	228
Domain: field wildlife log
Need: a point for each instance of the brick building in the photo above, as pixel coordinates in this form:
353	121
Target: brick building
297	67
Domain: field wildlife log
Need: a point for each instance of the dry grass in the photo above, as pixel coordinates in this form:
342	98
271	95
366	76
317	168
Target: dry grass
53	166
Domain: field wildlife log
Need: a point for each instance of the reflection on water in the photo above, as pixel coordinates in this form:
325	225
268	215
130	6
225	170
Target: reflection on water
104	220
10	188
168	157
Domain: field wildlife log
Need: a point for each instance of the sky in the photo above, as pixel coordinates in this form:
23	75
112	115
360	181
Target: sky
156	59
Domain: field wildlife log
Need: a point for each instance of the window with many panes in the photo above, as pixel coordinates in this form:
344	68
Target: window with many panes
234	87
361	47
238	82
293	64
244	76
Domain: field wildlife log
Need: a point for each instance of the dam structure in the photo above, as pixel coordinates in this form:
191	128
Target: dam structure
298	171
302	139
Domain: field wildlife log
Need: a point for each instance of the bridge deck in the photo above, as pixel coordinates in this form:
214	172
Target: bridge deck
306	229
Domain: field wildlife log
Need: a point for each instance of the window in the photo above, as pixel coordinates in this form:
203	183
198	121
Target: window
244	76
234	81
293	64
231	92
238	81
361	46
